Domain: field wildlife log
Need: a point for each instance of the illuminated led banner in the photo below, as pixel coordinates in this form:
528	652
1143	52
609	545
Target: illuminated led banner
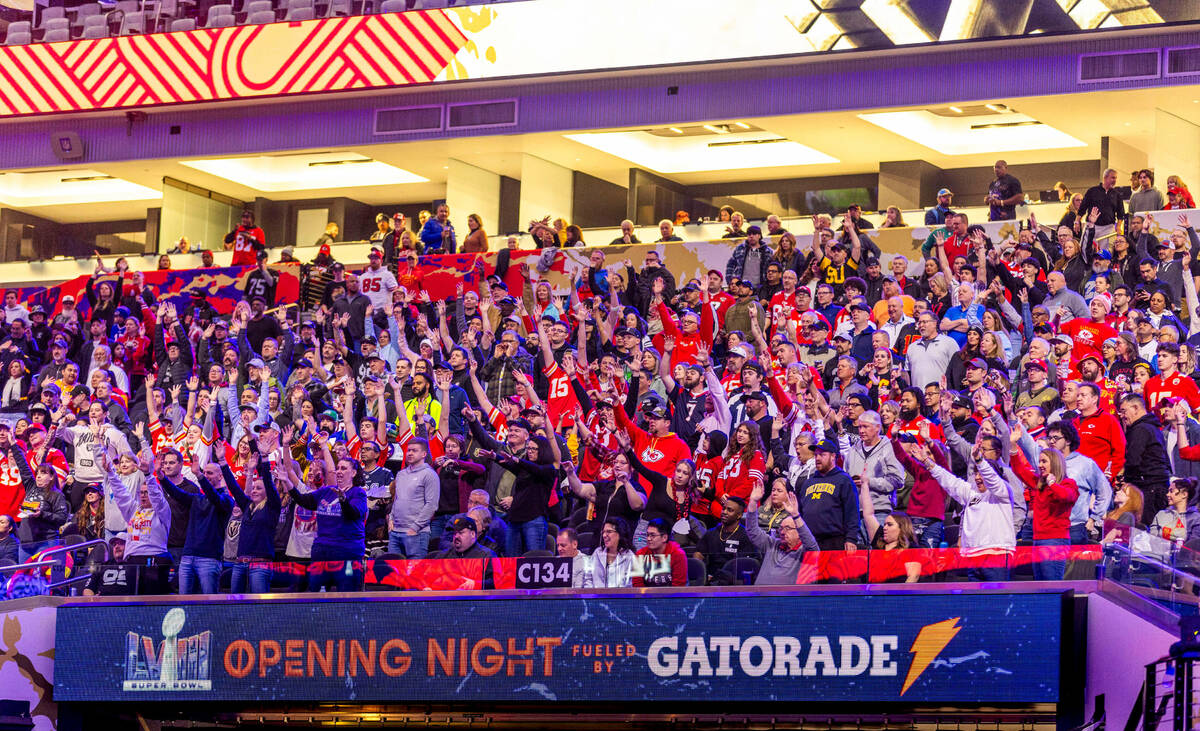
492	41
962	648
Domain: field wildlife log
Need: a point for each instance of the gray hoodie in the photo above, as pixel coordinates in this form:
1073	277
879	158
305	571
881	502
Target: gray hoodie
417	491
885	474
780	565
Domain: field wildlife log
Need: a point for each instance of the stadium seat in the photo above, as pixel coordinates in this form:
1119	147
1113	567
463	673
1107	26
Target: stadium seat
393	6
259	6
696	572
297	14
19	34
57	35
741	569
95	26
217	11
83	12
183	24
339	8
133	24
261	17
57	26
49	14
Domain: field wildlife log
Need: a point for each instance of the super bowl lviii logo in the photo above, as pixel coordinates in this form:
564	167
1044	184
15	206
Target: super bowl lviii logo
172	663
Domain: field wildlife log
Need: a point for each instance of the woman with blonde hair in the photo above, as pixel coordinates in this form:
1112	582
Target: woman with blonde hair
893	218
1125	515
786	253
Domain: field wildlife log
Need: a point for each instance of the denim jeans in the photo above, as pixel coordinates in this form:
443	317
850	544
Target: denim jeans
639	534
256	573
531	534
1079	535
1047	566
26	551
930	532
437	527
199	575
335	575
989	573
413	547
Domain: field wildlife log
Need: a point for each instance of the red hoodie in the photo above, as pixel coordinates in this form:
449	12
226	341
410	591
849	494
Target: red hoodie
678	575
1102	438
1050	507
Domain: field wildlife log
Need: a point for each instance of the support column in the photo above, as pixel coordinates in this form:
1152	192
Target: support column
908	184
472	190
1175	151
546	189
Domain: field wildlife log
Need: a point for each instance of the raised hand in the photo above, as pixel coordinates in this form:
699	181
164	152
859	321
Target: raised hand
623	439
793	504
668	343
175	391
193	382
1093	215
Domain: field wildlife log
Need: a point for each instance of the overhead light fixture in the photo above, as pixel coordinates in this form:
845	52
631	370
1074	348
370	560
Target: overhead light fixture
86	178
306	171
719	129
959	136
700	153
676	130
956	110
998	108
52	188
742	125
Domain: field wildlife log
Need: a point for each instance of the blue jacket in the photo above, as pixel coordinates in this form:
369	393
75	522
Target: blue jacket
208	513
431	236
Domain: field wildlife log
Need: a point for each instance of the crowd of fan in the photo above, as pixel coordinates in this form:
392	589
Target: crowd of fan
801	399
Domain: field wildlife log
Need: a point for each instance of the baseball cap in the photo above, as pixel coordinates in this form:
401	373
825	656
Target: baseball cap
1063	338
462	523
68	298
269	424
655	410
1091	356
977	363
755	395
1037	363
289	250
826	445
962	401
740	351
370	339
945	191
52	388
256	363
843	336
375	253
520	424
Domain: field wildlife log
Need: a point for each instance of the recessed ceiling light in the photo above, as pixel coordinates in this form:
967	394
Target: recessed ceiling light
69	187
956	110
998	108
305	171
717	129
966	135
698	153
676	130
742	125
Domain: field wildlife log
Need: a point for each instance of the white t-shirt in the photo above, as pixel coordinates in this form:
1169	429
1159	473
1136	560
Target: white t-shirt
377	285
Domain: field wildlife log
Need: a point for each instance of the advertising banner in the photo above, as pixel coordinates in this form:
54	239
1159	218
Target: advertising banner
963	648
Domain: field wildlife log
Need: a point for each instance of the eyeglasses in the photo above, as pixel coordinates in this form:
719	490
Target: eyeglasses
1055	438
609	531
654	535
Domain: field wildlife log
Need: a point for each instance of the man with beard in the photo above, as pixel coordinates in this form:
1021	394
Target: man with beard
817	353
752	383
692	399
724	542
1088	334
1091	370
912	422
1100	435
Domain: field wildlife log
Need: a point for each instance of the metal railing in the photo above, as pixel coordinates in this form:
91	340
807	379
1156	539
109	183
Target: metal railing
50	559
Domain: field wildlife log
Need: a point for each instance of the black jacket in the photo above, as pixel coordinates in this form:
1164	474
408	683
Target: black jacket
1146	461
829	505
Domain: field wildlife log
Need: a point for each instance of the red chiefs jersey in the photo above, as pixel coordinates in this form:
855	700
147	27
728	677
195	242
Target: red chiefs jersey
354	446
244	254
783	309
160	439
12	490
1176	386
913	427
721	302
659	454
560	399
499	422
437	448
706	478
1088	336
55	459
737	479
596	462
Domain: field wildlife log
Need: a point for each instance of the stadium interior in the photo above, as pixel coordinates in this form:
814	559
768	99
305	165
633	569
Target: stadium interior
977	575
